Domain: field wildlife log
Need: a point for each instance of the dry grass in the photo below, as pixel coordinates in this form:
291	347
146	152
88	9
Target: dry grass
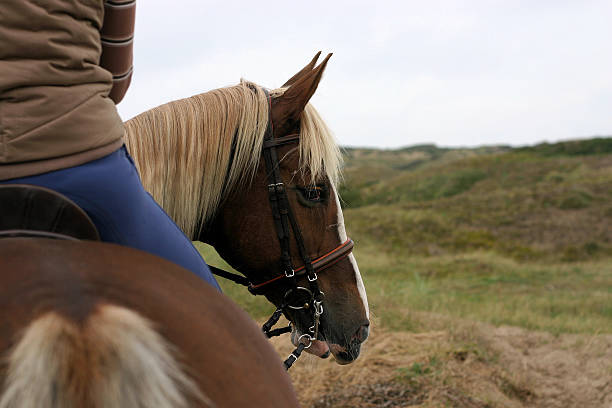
466	365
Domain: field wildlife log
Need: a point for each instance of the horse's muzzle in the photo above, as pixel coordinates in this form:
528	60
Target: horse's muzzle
349	353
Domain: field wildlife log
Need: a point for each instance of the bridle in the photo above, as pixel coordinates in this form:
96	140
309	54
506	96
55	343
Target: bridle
310	297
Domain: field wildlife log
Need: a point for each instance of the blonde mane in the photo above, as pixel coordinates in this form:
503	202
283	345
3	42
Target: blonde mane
192	152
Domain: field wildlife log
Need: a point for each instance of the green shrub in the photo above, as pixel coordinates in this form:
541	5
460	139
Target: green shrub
598	145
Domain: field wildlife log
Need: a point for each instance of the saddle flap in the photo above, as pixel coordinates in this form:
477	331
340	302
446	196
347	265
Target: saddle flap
34	208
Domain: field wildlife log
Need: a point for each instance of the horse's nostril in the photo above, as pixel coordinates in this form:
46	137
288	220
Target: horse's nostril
362	333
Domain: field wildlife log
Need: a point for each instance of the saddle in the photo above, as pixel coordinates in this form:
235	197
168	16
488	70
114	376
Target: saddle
32	211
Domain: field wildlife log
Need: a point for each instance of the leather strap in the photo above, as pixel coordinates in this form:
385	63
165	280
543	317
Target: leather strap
318	264
277	195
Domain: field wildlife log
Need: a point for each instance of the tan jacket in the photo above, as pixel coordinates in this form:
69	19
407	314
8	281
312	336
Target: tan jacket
55	109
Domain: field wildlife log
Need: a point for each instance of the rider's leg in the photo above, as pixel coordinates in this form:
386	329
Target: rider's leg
110	191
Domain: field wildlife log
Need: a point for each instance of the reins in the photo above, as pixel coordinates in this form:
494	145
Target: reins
285	222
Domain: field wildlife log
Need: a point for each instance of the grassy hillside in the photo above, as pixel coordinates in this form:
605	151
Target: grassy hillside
547	202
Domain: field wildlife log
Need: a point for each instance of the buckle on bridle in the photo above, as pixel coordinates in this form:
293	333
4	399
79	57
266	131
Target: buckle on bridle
290	274
318	307
276	187
315	277
309	338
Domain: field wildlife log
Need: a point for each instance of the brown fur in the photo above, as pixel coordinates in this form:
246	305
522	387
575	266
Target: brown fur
84	311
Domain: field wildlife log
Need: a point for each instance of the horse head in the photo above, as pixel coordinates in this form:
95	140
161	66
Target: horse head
259	239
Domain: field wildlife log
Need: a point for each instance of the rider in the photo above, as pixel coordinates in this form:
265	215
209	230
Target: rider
64	64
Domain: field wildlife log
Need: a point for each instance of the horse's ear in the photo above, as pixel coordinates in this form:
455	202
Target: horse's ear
303	71
288	107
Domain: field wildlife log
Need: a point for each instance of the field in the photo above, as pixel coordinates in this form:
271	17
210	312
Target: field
489	277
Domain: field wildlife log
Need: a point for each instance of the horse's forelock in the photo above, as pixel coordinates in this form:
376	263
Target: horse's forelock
319	152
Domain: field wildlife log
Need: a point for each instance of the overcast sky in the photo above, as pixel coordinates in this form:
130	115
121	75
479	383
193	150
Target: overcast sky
454	73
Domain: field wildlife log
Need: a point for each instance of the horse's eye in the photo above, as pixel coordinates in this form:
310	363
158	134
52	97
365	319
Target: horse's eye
312	194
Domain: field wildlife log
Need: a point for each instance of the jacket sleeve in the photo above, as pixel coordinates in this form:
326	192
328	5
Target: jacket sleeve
117	44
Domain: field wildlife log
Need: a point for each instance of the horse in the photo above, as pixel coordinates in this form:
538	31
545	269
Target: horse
91	324
279	223
84	323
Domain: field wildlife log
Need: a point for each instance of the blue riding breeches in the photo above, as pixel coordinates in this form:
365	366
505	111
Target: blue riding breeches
110	191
